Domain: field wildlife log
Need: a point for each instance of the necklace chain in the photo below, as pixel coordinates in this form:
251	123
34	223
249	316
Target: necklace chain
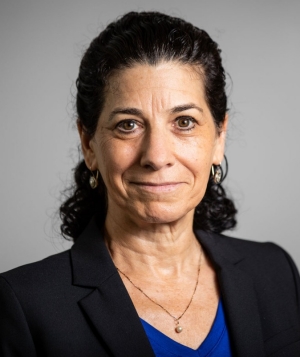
178	328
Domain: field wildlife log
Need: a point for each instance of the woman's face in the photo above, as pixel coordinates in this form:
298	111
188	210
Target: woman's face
155	143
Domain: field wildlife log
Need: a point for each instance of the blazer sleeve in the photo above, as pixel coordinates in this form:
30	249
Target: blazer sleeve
15	336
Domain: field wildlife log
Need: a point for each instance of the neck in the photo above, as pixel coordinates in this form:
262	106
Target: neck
159	250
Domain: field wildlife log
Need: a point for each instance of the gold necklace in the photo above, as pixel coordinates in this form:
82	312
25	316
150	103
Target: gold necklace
178	327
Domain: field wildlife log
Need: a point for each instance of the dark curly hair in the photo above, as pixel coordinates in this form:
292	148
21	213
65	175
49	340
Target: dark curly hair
144	38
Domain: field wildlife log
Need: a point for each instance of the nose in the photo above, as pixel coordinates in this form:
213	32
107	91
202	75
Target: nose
157	149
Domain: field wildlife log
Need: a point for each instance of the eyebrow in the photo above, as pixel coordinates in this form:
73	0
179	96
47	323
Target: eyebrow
138	112
181	108
130	111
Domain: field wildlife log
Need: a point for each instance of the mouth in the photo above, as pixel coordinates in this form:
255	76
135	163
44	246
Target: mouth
157	186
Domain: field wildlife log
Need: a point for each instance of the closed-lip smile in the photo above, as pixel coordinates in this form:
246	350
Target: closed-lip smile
157	186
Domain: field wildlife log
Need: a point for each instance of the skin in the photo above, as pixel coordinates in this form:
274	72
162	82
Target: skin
154	146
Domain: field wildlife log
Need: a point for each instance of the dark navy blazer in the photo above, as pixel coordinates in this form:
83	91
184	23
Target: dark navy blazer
74	304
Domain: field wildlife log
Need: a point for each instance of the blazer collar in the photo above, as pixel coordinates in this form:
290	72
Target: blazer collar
108	307
117	322
237	292
91	262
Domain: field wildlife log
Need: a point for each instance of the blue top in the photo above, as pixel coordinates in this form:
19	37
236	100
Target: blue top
216	343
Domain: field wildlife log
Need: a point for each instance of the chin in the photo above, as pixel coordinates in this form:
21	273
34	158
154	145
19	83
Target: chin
165	214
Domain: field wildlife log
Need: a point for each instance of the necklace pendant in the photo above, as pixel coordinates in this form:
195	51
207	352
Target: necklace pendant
178	329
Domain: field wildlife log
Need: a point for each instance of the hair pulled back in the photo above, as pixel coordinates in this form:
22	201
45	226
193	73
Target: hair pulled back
144	38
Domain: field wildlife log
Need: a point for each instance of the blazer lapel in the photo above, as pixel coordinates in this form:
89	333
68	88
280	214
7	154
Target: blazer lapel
108	307
238	295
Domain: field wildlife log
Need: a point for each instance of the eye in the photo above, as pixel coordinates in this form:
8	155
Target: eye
127	125
185	123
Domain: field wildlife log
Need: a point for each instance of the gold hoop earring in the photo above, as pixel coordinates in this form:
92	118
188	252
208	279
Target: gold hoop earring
94	180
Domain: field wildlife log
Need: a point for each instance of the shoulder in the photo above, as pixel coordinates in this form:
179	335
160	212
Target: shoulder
253	249
46	274
271	268
259	253
248	248
266	263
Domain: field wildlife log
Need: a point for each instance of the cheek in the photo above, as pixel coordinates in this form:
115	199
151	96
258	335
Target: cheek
198	155
114	157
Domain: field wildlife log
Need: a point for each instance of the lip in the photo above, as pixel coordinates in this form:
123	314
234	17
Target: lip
158	186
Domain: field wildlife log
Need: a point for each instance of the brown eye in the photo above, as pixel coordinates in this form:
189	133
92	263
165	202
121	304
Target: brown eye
127	125
185	123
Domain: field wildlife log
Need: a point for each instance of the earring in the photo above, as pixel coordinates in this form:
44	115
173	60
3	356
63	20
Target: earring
94	180
217	173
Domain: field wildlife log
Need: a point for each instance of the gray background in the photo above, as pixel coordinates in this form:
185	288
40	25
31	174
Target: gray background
41	46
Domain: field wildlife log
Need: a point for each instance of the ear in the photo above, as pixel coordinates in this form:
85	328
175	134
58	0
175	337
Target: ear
88	152
220	143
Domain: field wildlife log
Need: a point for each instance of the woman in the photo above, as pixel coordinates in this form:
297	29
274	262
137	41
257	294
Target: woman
149	274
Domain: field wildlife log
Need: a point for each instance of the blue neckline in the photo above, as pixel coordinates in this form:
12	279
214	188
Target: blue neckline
209	343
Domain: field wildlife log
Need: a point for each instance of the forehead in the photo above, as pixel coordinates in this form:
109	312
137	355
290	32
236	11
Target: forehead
169	79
